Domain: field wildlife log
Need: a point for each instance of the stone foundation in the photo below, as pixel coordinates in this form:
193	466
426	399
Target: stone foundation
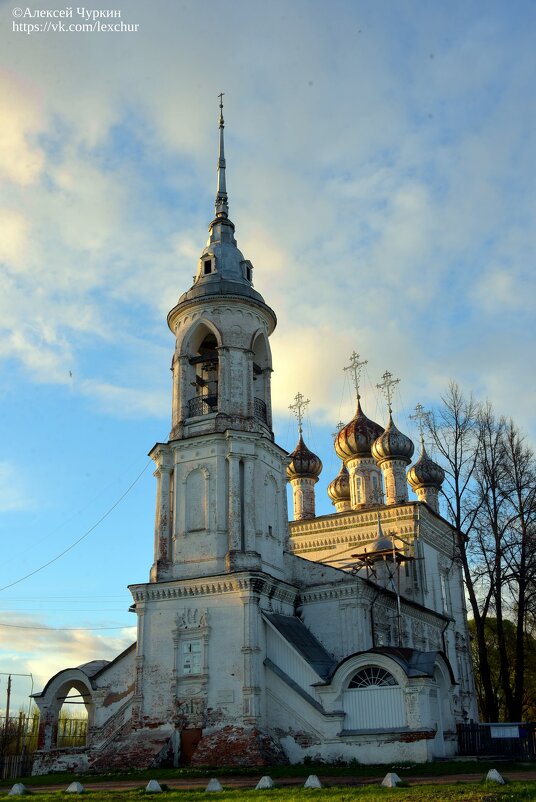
53	760
236	746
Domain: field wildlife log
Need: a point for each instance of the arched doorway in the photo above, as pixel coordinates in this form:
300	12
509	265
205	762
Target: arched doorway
75	708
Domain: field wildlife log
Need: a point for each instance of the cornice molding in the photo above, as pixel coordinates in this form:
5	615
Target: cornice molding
246	583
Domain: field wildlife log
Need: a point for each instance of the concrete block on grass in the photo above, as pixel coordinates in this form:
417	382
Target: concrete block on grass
391	780
214	786
153	787
493	776
18	790
75	788
264	783
312	781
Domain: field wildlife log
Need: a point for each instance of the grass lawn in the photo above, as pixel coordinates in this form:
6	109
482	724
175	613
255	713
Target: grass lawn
459	792
436	769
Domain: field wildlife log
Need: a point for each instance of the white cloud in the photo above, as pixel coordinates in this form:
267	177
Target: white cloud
13	489
29	646
387	213
21	159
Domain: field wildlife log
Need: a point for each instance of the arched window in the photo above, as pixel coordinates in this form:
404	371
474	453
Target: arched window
372	677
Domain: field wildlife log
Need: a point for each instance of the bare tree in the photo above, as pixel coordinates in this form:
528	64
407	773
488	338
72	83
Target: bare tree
520	553
455	433
490	495
490	531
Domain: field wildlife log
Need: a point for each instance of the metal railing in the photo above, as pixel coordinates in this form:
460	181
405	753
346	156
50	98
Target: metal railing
71	732
206	404
202	405
513	741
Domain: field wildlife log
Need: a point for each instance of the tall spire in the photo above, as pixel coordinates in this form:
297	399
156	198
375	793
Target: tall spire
221	204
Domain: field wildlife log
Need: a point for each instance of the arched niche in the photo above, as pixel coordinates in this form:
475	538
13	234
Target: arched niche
196	500
271	496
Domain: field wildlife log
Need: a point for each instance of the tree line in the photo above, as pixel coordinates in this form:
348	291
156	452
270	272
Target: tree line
490	497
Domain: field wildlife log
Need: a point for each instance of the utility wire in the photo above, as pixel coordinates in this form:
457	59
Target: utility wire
76	542
62	629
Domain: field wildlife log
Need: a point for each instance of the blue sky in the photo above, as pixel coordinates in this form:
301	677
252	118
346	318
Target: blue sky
381	177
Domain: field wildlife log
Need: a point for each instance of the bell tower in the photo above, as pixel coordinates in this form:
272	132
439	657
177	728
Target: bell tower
221	499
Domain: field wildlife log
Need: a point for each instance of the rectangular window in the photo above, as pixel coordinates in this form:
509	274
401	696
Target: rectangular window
191	657
207	267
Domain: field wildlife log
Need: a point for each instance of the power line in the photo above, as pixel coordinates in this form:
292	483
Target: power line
76	542
62	610
63	598
62	629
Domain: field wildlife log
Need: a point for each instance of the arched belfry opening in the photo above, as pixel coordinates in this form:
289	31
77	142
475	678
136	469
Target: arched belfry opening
262	368
203	372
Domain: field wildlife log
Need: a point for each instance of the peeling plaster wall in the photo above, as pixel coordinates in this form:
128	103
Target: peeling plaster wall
114	688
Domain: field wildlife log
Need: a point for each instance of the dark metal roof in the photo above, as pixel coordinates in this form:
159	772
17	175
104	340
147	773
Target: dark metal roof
93	667
305	643
414	662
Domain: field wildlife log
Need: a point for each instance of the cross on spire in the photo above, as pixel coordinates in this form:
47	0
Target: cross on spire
221	204
355	366
299	406
422	417
386	387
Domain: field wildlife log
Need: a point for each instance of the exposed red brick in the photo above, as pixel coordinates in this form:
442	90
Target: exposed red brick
236	746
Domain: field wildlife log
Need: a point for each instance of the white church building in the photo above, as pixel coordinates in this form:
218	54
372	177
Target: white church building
336	637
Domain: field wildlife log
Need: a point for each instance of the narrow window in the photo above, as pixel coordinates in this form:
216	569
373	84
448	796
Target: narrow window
248	273
207	267
444	593
171	499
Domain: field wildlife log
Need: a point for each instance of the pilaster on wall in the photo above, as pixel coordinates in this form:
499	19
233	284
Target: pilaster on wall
251	650
163	525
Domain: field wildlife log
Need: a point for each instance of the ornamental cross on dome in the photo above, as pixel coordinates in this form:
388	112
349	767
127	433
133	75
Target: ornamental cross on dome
387	386
299	407
355	366
338	426
422	417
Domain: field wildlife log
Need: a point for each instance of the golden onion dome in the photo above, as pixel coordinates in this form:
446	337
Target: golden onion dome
339	488
303	464
392	444
356	438
425	472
